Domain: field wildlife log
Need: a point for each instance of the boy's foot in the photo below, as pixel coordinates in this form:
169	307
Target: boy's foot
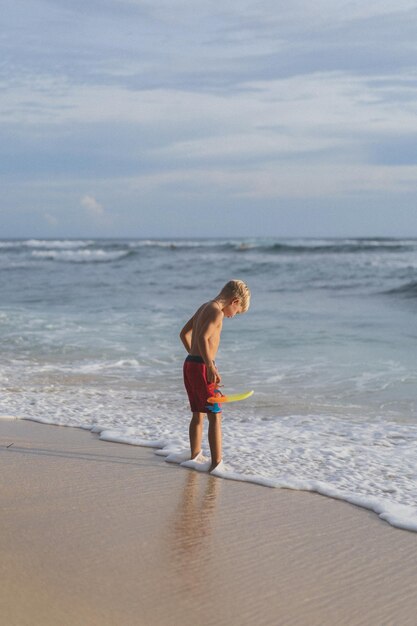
199	463
213	466
196	456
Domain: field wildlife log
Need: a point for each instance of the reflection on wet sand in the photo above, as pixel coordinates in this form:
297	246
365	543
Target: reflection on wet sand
189	532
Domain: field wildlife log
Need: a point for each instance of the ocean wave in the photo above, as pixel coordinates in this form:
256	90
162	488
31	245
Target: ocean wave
81	256
408	290
277	246
171	244
57	243
178	245
343	247
9	244
304	246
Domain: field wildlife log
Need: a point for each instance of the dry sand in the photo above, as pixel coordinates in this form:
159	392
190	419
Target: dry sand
96	533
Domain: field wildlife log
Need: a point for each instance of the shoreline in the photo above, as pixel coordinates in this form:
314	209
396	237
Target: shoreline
111	534
397	515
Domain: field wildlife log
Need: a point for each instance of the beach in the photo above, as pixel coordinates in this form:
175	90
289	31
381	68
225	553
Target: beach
89	339
110	534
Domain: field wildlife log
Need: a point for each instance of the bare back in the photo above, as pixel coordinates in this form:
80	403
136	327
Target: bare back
207	326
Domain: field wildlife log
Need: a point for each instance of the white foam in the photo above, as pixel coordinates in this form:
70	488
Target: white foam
58	243
125	437
398	515
222	472
200	464
176	457
371	465
81	256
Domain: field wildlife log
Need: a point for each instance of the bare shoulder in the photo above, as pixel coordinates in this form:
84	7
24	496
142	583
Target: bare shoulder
208	313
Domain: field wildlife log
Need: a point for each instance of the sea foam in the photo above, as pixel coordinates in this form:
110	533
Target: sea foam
310	454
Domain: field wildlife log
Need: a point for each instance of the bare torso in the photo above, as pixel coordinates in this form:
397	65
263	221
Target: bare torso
207	326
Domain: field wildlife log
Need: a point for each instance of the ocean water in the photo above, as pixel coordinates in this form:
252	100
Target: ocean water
89	338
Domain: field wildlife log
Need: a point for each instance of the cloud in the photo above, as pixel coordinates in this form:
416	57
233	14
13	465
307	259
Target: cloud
203	46
264	99
99	217
93	207
50	219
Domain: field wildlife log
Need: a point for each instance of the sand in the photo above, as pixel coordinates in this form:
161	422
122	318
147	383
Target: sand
96	533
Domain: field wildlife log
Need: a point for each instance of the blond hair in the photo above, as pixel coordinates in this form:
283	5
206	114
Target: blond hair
237	289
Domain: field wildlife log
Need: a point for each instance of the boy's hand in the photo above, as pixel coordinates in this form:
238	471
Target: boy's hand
213	375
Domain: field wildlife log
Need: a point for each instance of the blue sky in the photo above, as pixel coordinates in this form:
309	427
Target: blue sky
200	118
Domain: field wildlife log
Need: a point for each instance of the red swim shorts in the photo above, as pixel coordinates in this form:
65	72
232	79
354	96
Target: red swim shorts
198	389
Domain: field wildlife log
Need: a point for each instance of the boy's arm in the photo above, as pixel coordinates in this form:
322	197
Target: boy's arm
211	328
186	334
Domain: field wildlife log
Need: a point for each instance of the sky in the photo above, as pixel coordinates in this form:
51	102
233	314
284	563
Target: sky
195	118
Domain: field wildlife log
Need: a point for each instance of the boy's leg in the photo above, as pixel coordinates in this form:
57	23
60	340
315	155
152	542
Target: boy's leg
196	433
215	438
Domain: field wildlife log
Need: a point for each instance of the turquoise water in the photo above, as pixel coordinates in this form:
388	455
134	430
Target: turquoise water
89	337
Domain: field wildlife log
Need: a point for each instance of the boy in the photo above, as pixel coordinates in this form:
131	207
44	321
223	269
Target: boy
201	338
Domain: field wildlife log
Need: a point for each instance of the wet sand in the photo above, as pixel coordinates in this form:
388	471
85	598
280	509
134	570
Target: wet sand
97	533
